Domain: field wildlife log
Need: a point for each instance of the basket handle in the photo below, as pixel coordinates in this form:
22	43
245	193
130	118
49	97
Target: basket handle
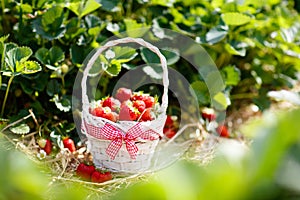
112	43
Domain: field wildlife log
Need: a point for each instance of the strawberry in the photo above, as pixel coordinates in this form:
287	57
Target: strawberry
149	101
127	112
169	122
98	111
85	171
123	94
112	116
208	114
112	103
137	96
223	131
98	177
169	132
147	115
48	147
69	144
140	105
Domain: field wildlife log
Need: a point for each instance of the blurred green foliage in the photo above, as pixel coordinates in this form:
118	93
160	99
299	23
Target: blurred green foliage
269	169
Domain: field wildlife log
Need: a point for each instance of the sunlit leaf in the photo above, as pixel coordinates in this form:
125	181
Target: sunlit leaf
135	29
53	18
82	8
220	101
235	18
17	55
124	54
114	68
30	67
231	75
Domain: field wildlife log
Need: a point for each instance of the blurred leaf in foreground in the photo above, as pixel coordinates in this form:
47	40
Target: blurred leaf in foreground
267	170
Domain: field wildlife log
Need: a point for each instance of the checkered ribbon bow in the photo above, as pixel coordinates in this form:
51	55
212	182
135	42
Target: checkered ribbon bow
109	132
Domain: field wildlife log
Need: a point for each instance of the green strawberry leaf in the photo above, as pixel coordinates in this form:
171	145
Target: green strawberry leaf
42	55
133	25
124	54
56	55
153	72
50	26
63	103
235	18
110	5
20	129
17	55
50	57
53	18
3	38
81	8
53	87
114	68
220	101
29	67
201	91
231	75
216	34
172	56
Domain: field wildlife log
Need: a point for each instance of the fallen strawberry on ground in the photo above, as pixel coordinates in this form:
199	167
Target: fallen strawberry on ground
85	171
100	177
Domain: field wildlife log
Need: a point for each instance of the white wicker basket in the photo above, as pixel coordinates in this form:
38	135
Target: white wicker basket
145	143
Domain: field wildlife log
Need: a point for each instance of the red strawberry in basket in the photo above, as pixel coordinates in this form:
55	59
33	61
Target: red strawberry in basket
85	171
98	177
147	115
140	105
98	111
123	94
108	114
128	112
149	101
112	103
137	96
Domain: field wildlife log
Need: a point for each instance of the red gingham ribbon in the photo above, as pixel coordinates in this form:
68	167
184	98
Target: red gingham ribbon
117	136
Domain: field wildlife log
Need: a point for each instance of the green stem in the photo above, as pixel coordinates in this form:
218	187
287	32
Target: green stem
3	56
6	94
243	96
3	7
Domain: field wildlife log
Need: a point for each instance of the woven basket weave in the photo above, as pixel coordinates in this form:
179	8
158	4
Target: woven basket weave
92	126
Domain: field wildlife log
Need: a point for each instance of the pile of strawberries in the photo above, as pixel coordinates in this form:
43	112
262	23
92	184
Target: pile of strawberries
125	106
90	173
